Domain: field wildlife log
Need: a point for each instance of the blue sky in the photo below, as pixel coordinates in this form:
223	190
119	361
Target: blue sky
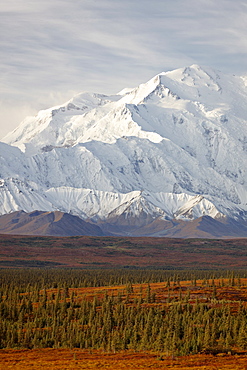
53	49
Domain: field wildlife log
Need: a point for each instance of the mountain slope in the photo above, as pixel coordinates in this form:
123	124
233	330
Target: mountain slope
174	148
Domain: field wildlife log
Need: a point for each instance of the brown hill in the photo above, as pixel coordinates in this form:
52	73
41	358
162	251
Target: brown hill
57	223
202	227
46	223
208	227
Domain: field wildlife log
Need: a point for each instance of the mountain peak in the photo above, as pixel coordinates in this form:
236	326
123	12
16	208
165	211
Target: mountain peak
173	148
81	117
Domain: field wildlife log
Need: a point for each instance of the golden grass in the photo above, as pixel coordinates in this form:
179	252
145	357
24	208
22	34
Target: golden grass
61	359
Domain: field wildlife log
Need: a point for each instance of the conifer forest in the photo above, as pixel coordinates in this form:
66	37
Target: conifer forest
169	312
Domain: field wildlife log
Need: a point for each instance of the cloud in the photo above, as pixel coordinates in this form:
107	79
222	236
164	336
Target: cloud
54	47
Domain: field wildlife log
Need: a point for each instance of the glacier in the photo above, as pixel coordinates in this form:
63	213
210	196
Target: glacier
173	148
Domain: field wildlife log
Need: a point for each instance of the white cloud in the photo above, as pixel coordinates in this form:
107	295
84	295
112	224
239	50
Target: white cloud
54	47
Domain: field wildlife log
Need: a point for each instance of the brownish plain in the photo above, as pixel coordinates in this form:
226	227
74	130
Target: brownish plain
116	252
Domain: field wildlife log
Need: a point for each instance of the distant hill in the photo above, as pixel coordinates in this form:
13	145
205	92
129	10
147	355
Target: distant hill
46	223
63	224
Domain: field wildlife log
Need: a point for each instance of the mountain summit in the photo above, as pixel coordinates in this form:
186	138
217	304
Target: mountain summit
141	162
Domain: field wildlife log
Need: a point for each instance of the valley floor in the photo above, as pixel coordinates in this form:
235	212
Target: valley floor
115	252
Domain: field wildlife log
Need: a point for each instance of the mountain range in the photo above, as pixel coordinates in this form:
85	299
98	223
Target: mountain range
167	158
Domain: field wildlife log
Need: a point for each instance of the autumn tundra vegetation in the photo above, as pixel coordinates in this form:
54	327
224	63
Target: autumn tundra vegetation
166	313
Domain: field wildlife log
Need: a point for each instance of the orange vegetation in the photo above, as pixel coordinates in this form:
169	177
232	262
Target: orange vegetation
55	359
198	290
213	291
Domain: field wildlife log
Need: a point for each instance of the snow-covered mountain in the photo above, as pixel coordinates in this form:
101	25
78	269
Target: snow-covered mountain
173	148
